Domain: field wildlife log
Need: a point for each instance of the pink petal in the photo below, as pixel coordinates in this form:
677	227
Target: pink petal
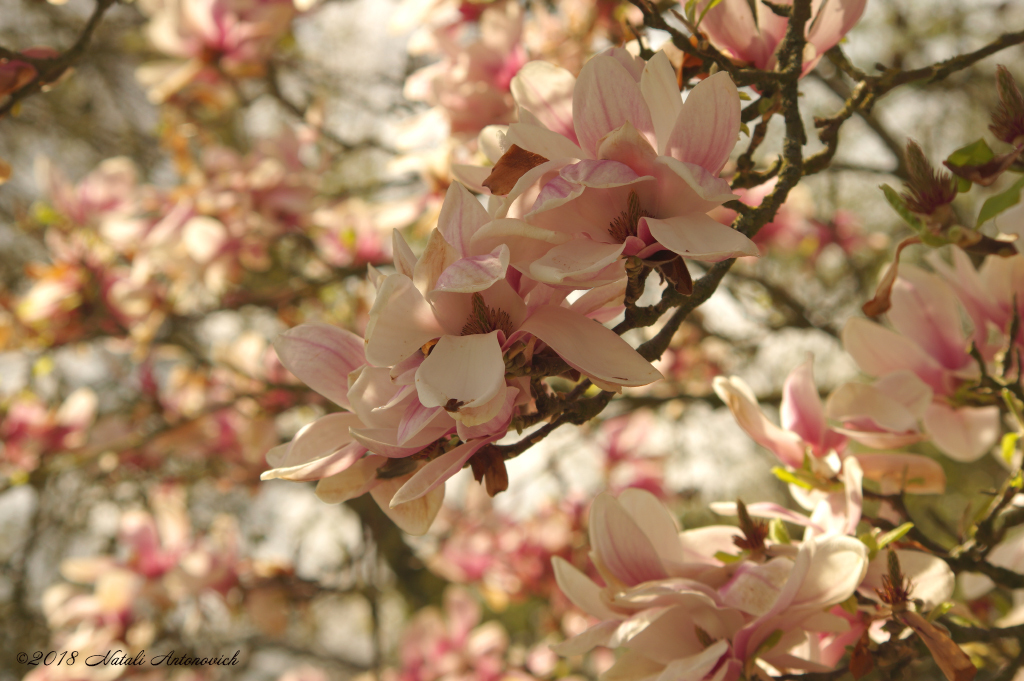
685	188
384	441
472	176
661	91
856	401
589	347
879	351
620	545
351	483
412	517
597	635
579	589
578	260
496	425
461	215
321	356
698	237
963	434
436	258
853	483
925	310
474	273
525	242
708	125
833	20
896	473
467	369
400	322
730	26
437	471
319	450
546	91
741	402
538	140
415	418
626	145
801	411
605	97
404	259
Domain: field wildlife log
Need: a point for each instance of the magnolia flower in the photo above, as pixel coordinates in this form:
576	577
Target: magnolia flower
928	340
880	416
680	612
618	165
755	37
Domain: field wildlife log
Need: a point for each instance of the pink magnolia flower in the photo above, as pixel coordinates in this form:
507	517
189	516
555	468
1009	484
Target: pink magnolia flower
736	31
629	169
680	611
209	37
879	416
929	341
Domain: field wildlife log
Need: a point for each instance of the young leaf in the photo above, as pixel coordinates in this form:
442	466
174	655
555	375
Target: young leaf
896	201
894	535
1009	446
1000	202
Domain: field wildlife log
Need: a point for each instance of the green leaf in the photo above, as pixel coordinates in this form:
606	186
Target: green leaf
727	558
744	96
769	643
778	533
973	154
711	5
744	128
790	477
1000	202
940	610
900	207
869	540
893	535
1009	446
690	10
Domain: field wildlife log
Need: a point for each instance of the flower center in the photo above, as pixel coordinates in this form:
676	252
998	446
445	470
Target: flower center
485	319
625	225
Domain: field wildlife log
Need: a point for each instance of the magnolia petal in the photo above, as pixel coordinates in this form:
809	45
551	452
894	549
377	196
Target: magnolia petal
474	273
384	441
731	27
925	310
471	176
437	471
831	23
467	369
963	434
606	96
321	356
656	521
708	125
316	441
473	422
415	418
400	322
438	256
526	243
590	347
879	351
661	91
546	91
698	237
580	589
856	401
620	545
837	566
461	215
903	472
351	483
626	145
542	141
696	667
801	411
412	517
738	397
597	635
575	260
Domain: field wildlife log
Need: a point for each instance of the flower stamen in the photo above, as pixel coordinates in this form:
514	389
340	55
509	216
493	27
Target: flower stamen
626	224
485	319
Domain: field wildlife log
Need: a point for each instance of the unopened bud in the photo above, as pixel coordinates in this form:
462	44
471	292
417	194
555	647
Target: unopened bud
1008	118
927	190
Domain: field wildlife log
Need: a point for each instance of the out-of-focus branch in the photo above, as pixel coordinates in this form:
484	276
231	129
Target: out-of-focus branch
49	70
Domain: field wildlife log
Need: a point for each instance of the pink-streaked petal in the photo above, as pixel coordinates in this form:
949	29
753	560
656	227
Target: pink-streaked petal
372	394
437	471
321	468
907	389
801	411
738	397
546	91
685	188
351	483
590	347
708	125
963	434
415	418
696	667
701	545
832	22
633	64
661	91
730	27
620	545
542	141
525	191
579	589
319	440
461	215
602	302
698	237
525	242
412	517
656	521
852	402
896	473
605	97
400	322
467	369
626	145
384	441
838	565
597	635
576	260
925	310
879	351
321	356
474	273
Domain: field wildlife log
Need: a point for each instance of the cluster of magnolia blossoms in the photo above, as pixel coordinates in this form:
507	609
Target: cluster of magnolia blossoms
716	603
608	166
